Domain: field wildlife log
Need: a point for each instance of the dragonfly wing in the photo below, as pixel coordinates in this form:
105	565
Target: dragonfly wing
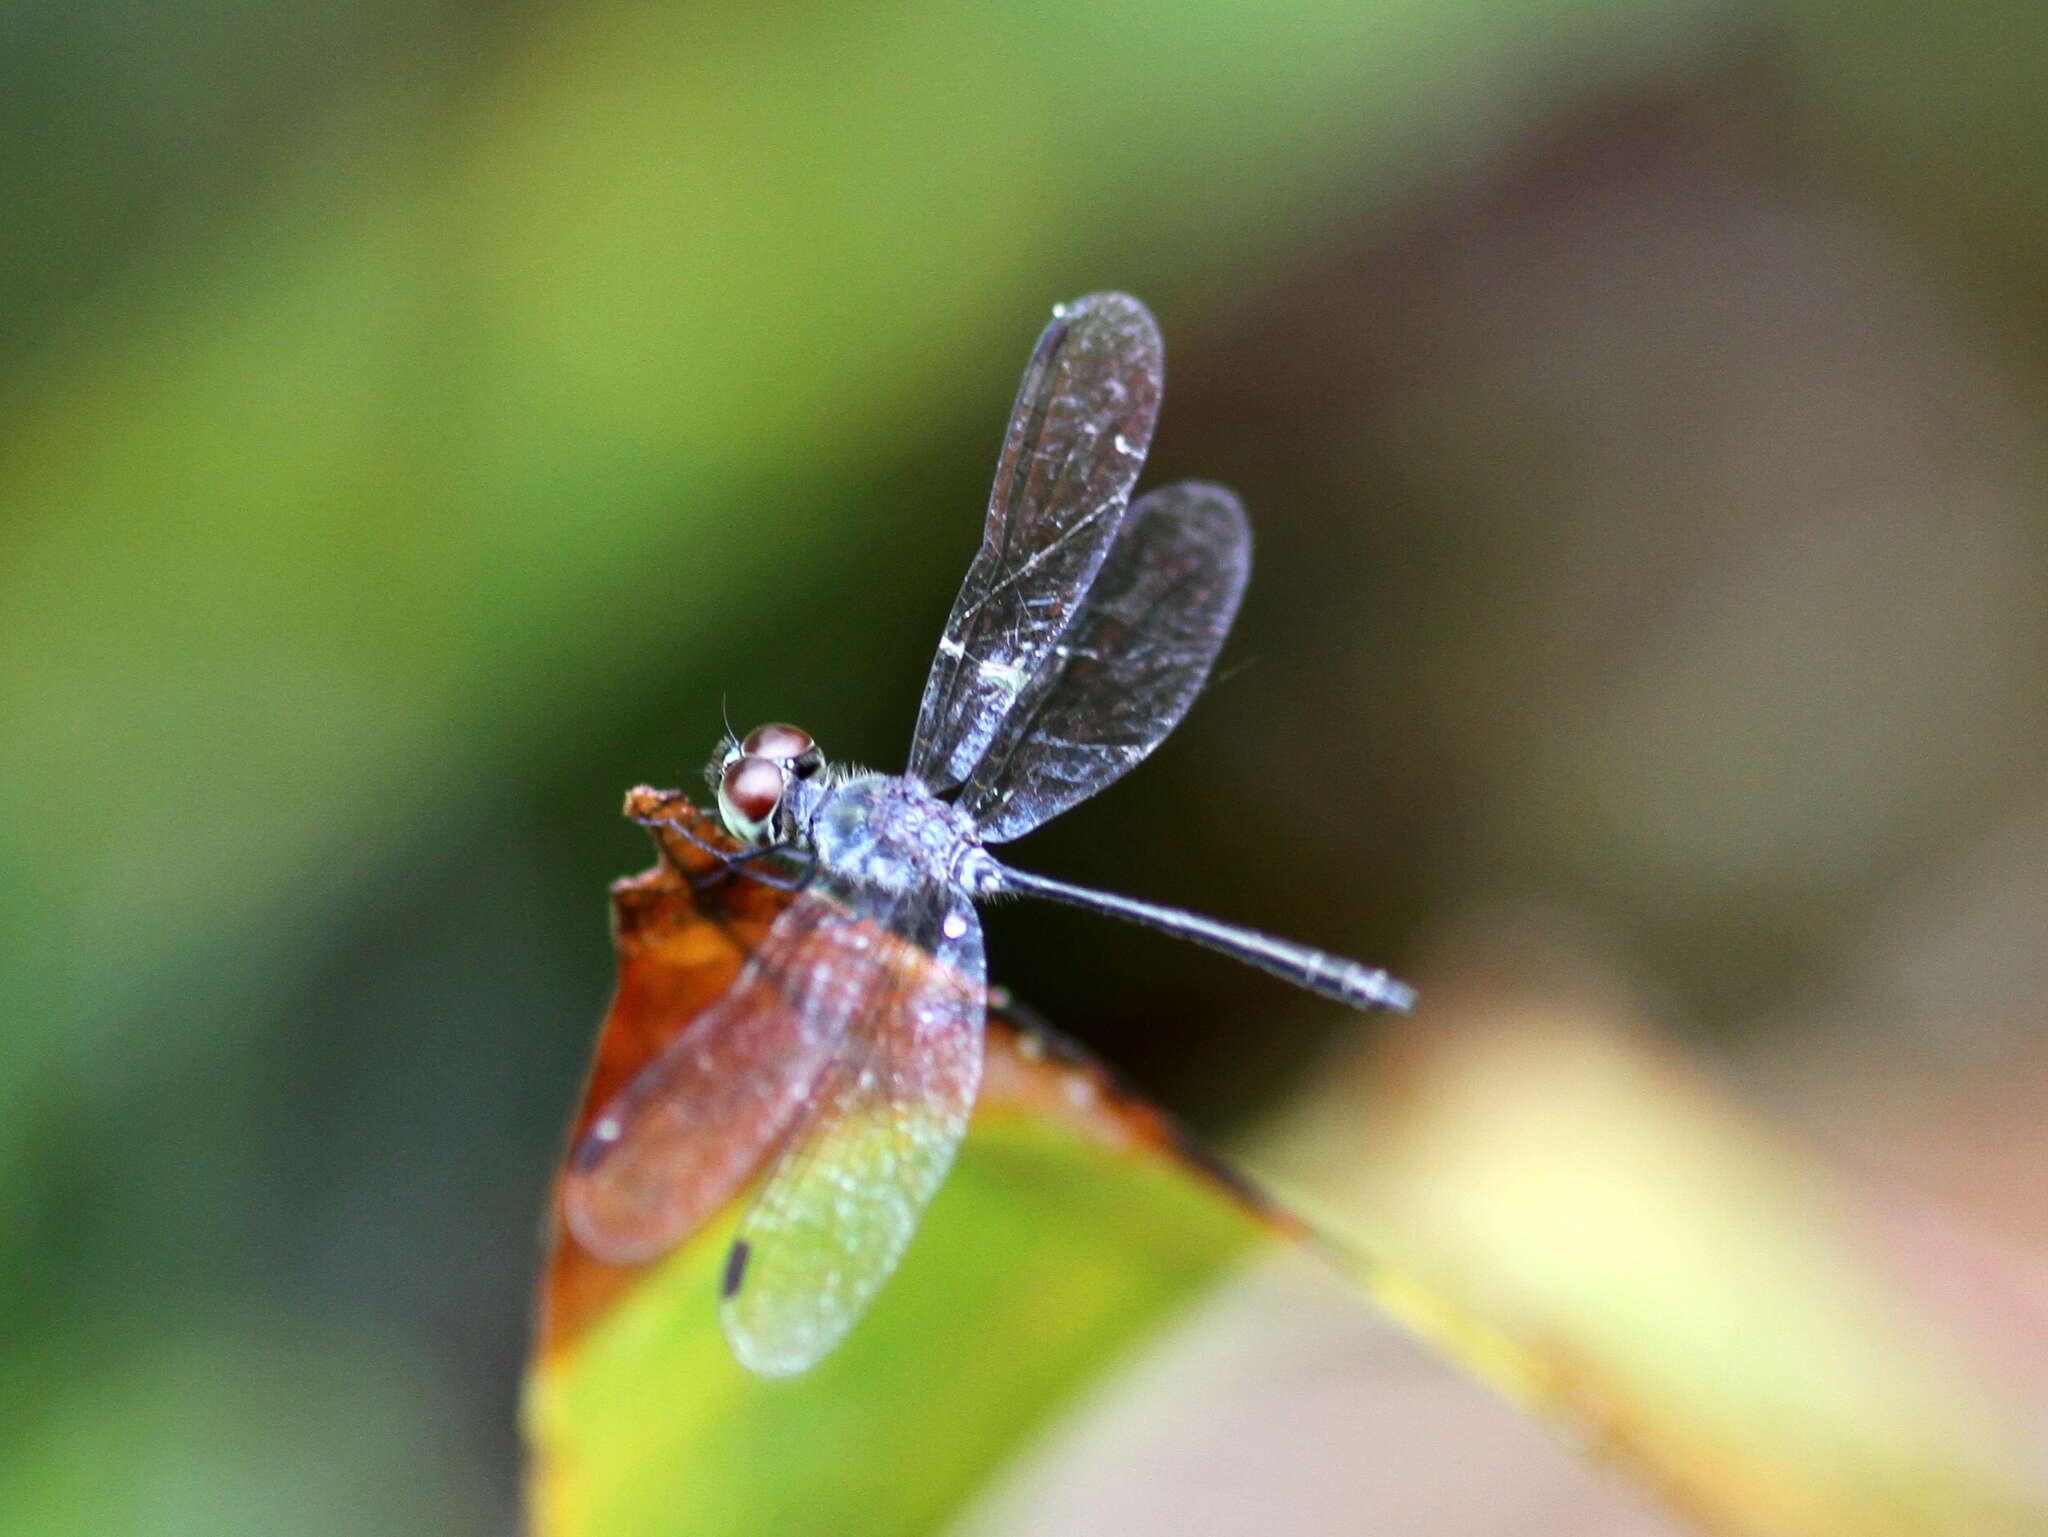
688	1132
1129	665
834	1217
1077	437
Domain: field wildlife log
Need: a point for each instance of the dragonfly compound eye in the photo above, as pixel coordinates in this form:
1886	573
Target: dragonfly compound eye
777	741
787	745
748	792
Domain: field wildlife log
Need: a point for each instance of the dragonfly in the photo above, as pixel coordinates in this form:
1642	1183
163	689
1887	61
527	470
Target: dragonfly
839	1071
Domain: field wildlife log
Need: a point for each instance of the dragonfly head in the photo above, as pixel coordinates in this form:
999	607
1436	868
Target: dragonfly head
753	779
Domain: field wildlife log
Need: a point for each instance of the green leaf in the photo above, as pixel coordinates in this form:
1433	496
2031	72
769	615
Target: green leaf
1010	1300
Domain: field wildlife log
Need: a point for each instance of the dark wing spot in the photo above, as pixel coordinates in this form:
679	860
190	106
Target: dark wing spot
599	1140
735	1268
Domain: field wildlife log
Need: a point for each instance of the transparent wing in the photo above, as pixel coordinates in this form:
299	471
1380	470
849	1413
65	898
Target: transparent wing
687	1133
1129	665
834	1217
1077	438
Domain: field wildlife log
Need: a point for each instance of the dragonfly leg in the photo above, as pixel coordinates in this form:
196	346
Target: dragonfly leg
731	864
796	881
747	863
723	856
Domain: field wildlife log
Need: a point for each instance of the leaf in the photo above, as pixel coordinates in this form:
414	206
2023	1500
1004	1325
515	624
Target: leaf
640	1420
1079	1217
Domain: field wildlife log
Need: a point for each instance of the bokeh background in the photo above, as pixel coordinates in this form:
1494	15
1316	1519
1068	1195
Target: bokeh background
416	421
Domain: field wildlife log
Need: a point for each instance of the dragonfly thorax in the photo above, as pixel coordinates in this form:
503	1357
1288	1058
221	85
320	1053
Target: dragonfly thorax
892	833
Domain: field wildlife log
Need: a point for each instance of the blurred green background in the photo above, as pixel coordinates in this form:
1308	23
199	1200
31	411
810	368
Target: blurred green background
416	419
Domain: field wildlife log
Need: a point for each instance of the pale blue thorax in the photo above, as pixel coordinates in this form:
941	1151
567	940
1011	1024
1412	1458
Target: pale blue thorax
891	832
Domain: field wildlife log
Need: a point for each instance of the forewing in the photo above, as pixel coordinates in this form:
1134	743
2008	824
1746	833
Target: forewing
1077	438
834	1217
1128	666
686	1134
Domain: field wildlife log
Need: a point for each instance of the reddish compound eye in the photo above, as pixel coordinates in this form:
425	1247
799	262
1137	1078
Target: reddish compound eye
776	741
748	792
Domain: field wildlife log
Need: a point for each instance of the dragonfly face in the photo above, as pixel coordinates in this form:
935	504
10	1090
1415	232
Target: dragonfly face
752	778
846	1057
